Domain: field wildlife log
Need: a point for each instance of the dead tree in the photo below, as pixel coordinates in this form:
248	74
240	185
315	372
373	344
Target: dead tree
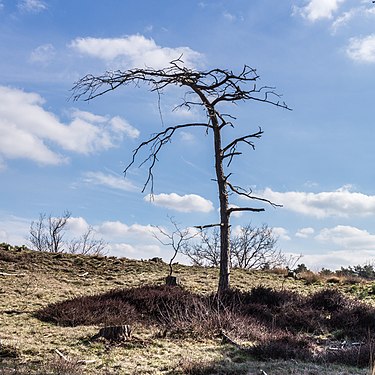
209	90
177	239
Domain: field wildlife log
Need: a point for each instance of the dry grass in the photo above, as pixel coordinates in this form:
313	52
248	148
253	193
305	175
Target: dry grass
30	281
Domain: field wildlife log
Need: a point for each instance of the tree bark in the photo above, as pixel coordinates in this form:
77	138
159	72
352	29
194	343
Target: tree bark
224	275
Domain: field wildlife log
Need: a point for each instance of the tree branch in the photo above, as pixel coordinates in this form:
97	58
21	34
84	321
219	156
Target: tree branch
156	142
201	227
240	191
239	209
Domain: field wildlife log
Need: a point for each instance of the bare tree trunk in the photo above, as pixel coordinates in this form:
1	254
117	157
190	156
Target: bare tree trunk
224	275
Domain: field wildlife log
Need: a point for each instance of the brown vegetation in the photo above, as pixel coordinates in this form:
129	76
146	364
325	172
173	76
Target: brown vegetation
260	325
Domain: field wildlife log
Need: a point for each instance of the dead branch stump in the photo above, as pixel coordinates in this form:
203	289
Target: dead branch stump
172	281
114	333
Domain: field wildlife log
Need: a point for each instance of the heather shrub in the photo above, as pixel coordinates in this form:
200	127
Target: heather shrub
282	324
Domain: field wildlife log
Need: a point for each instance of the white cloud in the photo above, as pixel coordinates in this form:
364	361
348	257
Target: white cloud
182	203
282	233
305	232
109	180
119	229
134	51
343	19
77	225
348	237
34	6
117	124
120	126
334	260
340	203
29	131
362	49
122	250
318	9
14	230
134	251
43	54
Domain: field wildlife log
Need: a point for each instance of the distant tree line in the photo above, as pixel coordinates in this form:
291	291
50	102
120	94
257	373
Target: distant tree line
366	271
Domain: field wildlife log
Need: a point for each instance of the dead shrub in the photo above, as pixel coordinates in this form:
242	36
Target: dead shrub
89	310
333	280
352	280
358	356
204	367
330	300
285	347
7	256
59	366
310	277
283	324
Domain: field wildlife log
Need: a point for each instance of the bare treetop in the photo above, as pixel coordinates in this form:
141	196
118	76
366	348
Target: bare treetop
219	85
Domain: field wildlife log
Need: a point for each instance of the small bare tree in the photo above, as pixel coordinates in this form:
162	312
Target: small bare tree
252	248
48	234
211	90
177	239
87	244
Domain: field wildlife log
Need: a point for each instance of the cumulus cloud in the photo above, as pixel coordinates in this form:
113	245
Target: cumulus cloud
334	260
348	237
362	49
134	251
182	203
305	232
119	229
339	203
134	51
77	225
109	180
33	6
318	9
281	233
28	131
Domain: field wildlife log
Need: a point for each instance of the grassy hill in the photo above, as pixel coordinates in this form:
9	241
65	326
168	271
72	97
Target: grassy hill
43	334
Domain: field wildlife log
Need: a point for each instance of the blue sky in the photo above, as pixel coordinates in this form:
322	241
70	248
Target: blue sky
317	160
